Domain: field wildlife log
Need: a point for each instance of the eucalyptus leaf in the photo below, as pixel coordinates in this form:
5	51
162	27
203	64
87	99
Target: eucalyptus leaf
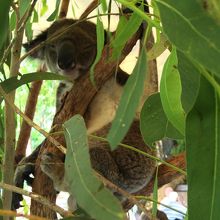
23	6
100	32
170	93
14	82
192	30
124	33
129	102
4	20
154	124
88	191
203	155
54	14
190	81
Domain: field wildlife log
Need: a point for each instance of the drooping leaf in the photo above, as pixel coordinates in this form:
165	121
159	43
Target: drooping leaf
192	30
154	124
12	21
190	80
104	5
4	20
89	192
203	155
44	7
129	102
124	33
23	6
35	16
14	82
170	93
54	14
28	30
100	32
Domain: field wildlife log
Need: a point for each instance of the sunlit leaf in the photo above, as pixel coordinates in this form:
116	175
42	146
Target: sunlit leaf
100	44
129	101
203	155
124	32
89	192
54	14
170	93
14	82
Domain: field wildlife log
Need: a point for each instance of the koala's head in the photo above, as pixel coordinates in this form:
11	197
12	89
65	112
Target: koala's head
70	47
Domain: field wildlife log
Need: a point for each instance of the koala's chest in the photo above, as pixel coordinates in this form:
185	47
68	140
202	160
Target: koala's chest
103	107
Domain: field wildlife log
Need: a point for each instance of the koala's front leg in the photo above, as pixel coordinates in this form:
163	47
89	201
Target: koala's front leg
53	166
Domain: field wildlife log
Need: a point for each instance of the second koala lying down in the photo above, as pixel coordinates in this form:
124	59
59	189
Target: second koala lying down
72	54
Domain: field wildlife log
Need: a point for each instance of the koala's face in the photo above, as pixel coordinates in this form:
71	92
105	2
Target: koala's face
70	49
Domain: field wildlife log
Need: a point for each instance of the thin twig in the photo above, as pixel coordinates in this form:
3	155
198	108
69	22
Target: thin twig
22	22
131	198
31	123
143	153
94	4
37	198
6	52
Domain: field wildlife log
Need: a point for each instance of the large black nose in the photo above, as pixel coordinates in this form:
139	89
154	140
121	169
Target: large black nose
66	58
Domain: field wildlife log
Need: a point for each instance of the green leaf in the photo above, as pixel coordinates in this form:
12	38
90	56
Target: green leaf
170	93
14	82
203	155
89	192
28	30
4	20
154	124
104	5
12	21
190	81
23	6
44	7
54	14
35	16
190	28
129	102
124	32
100	44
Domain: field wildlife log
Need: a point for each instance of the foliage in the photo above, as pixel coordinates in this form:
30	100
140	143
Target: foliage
186	108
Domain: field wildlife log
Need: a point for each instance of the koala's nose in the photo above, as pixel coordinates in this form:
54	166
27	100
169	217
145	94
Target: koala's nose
65	62
66	59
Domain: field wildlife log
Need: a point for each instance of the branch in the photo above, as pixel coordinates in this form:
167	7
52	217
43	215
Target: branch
94	4
36	197
64	8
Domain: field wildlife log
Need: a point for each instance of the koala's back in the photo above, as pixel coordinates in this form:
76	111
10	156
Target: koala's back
126	168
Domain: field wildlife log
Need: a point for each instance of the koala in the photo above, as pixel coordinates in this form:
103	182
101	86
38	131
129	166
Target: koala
70	50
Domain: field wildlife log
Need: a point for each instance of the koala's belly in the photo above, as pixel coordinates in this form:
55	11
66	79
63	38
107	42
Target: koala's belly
102	109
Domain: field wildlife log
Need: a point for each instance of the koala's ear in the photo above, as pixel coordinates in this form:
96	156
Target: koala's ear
33	43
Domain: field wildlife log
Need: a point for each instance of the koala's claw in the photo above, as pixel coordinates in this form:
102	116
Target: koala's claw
22	173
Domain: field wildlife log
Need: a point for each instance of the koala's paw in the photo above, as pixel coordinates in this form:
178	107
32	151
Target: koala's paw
22	173
53	166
